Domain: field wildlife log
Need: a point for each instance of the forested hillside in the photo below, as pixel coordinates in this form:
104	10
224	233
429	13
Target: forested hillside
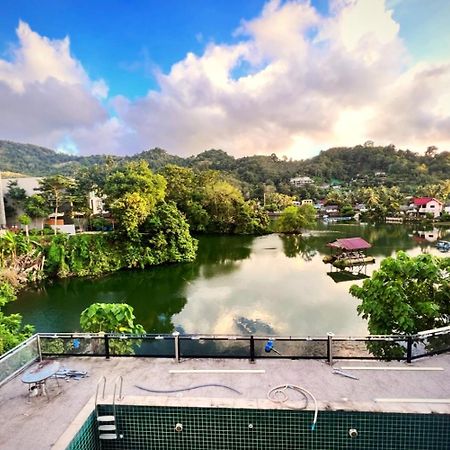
361	164
29	159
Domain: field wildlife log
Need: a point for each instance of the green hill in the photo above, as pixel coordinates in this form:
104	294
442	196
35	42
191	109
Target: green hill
363	165
33	160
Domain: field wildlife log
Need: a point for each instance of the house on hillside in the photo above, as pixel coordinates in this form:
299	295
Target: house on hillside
301	181
427	205
31	186
332	210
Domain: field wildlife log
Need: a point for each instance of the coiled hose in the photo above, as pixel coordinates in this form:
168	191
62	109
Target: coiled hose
278	394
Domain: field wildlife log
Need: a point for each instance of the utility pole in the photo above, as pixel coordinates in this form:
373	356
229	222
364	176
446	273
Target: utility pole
2	206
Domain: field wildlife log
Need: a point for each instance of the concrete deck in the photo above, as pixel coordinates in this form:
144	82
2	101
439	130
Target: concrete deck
36	423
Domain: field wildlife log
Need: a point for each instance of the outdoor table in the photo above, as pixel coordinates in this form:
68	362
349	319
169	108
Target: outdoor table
37	377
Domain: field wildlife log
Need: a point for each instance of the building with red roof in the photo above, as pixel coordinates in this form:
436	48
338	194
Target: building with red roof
427	205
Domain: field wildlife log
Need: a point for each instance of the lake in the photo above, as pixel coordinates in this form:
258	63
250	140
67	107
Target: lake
237	285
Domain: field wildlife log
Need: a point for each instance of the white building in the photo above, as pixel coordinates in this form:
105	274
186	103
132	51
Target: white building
96	204
428	205
31	186
301	181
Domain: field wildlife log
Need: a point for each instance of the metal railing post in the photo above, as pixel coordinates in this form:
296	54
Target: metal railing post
39	347
330	348
252	349
106	345
409	345
176	340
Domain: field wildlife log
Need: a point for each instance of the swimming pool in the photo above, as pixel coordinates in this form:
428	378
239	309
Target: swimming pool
206	428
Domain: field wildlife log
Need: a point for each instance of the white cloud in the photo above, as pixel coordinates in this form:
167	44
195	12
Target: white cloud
305	81
294	82
45	93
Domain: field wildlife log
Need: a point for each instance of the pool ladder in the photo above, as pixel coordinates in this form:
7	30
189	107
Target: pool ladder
107	426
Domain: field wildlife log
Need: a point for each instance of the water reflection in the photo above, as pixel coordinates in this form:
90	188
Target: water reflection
239	284
297	245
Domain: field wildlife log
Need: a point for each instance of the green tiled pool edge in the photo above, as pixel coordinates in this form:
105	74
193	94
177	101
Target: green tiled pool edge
86	437
154	427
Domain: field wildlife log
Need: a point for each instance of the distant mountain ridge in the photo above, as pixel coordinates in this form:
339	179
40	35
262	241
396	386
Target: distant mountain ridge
343	163
34	160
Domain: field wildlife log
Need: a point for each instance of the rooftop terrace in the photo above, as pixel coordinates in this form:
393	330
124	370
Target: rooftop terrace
38	423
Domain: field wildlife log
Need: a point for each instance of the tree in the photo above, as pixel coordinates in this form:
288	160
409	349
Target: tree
222	201
380	201
181	184
169	234
54	190
347	210
132	193
277	202
36	207
16	193
431	151
112	318
294	219
252	219
12	332
406	295
25	221
336	197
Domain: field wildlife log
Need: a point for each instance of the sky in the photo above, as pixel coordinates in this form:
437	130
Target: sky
250	77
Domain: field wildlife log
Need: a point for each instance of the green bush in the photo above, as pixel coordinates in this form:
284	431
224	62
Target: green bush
12	332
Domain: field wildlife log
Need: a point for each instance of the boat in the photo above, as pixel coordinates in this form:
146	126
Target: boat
349	253
443	246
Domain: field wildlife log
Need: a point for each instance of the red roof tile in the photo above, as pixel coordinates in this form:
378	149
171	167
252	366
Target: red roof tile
355	243
419	201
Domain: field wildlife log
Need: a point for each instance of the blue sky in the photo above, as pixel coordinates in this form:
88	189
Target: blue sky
124	41
129	44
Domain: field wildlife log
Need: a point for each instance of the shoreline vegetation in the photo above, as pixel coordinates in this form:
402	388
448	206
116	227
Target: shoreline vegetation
153	215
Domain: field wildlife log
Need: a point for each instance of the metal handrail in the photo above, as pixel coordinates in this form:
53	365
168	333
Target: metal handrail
102	379
409	340
434	332
120	379
160	336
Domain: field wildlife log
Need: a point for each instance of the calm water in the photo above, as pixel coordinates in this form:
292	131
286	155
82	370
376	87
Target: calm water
238	284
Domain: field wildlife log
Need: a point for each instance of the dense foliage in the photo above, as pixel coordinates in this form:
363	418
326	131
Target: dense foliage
212	203
12	332
295	219
406	295
132	192
96	254
112	318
